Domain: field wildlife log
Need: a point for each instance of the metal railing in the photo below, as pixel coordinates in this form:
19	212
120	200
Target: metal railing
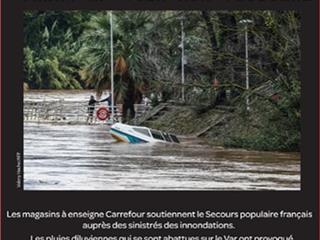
70	111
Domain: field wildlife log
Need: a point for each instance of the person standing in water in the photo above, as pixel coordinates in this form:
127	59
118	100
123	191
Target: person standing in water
91	105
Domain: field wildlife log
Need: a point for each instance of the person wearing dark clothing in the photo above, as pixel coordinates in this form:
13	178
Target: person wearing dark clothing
108	100
91	105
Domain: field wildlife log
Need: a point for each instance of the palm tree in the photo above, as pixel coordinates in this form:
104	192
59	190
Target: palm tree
129	32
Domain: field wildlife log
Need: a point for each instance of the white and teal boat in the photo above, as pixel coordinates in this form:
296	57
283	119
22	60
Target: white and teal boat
136	134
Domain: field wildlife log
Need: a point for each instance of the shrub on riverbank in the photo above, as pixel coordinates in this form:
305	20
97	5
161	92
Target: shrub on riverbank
260	129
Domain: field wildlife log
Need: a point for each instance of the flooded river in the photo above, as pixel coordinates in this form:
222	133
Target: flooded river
85	157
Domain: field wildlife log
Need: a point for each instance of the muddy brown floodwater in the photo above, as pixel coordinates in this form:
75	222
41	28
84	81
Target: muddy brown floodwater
85	157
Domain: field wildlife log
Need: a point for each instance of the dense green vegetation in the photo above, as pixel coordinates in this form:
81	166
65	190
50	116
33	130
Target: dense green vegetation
71	50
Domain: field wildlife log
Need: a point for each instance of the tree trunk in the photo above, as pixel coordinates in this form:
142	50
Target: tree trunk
213	41
129	100
229	40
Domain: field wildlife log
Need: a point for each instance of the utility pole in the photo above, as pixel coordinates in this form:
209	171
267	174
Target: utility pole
246	22
182	61
111	66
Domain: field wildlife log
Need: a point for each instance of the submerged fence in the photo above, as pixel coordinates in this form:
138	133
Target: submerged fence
70	111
